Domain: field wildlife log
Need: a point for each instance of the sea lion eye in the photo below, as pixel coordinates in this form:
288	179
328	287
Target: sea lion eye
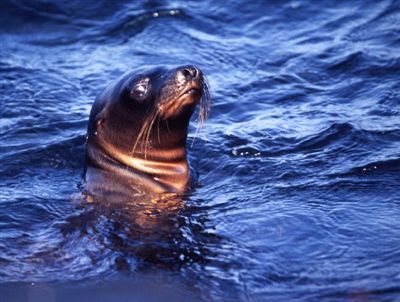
140	90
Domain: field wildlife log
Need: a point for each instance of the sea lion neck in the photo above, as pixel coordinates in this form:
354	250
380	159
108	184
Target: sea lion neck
163	170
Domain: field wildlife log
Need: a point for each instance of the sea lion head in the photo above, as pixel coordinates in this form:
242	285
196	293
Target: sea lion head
138	125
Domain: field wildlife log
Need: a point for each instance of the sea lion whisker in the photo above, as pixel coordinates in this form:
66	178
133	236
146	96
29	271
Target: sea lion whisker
140	135
158	130
138	138
148	133
205	102
195	134
203	111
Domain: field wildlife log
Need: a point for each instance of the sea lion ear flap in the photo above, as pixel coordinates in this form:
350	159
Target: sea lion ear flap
97	120
100	118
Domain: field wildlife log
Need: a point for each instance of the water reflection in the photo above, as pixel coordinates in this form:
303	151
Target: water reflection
145	229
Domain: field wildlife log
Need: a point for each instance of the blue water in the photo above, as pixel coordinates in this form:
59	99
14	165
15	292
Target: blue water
298	167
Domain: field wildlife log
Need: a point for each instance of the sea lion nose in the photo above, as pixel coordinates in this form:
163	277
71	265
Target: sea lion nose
188	72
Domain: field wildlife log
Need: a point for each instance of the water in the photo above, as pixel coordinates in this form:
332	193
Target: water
298	165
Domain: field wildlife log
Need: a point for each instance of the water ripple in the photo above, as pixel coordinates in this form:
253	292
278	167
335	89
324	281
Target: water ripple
296	169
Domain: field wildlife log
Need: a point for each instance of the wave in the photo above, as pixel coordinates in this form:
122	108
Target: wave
78	22
340	135
372	168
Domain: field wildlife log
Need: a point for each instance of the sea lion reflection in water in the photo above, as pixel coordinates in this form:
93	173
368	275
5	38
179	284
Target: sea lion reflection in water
137	134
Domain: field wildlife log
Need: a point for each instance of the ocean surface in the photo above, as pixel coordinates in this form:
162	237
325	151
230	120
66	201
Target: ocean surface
297	194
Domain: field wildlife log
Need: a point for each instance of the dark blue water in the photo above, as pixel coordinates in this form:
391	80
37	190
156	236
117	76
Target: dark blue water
297	195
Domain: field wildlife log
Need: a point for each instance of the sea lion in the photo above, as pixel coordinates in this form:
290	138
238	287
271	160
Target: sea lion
137	132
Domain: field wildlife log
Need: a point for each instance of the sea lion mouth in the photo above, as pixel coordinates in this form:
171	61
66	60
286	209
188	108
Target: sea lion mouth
194	89
189	96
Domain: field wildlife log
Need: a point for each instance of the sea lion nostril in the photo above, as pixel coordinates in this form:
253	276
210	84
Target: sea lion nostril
189	72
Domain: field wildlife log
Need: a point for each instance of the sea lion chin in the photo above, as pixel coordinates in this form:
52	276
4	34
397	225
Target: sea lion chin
138	128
